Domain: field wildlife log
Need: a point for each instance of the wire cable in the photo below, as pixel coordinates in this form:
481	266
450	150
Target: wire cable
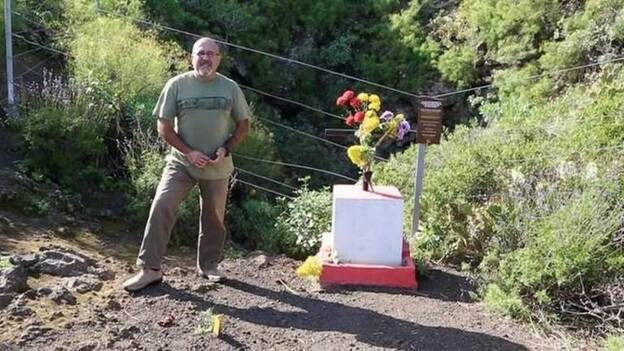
294	166
536	76
289	60
301	132
257	91
266	178
41	46
263	188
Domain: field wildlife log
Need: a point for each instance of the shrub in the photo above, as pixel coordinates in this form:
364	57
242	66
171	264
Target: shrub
130	62
304	221
64	129
252	223
614	343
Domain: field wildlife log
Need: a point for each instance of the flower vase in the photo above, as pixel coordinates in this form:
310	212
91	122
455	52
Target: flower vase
367	185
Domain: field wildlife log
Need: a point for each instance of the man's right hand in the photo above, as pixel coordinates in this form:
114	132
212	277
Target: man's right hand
197	158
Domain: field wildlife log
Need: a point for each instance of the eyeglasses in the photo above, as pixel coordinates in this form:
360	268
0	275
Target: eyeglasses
209	54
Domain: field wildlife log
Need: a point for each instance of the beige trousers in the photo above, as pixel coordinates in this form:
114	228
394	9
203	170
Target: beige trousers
174	186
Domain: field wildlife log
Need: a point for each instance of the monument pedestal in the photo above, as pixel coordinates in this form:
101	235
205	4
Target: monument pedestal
366	245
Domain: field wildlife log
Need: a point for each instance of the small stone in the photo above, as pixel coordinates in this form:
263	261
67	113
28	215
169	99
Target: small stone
86	346
24	260
56	315
84	284
127	332
44	292
113	305
62	295
13	280
262	261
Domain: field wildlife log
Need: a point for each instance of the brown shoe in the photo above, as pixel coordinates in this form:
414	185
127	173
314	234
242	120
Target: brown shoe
142	279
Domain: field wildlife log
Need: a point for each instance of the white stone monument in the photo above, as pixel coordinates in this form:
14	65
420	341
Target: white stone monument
367	226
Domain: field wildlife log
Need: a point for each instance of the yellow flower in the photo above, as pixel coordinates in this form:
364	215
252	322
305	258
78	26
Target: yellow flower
374	99
370	114
356	155
311	268
363	97
374	106
370	124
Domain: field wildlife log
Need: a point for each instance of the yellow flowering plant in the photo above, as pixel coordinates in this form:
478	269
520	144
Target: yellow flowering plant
372	129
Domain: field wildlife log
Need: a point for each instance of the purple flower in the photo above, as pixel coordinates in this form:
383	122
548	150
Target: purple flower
386	116
404	127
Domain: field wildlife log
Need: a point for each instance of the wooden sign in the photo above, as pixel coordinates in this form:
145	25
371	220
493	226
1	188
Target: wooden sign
429	122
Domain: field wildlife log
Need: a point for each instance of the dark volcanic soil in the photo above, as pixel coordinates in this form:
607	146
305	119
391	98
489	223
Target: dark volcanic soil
265	306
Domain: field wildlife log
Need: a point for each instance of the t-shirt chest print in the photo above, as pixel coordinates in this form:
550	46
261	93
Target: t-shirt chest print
205	103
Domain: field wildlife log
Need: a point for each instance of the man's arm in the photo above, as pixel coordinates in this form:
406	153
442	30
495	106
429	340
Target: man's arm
240	132
168	133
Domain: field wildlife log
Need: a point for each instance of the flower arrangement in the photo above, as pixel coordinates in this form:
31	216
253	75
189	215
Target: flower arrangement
372	129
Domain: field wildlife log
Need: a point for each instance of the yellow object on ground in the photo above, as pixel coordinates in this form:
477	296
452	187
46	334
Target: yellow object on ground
311	268
217	324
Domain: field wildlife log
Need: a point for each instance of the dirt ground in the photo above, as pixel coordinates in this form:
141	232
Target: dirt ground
264	304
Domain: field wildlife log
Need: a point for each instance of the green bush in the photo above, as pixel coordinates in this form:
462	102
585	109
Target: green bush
304	221
252	223
505	302
614	343
129	62
64	128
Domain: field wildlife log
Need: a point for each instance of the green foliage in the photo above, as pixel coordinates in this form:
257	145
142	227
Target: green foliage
505	302
304	221
614	343
252	223
130	63
5	263
64	129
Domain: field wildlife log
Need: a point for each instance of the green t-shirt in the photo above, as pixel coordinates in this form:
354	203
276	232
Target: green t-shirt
204	115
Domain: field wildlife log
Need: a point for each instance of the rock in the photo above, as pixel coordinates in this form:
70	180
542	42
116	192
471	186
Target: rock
102	273
44	292
24	260
62	295
204	287
63	263
5	299
84	284
178	271
86	346
64	231
262	261
19	311
33	332
113	305
128	332
13	280
56	315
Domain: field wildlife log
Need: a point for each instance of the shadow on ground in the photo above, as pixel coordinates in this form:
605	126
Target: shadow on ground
370	327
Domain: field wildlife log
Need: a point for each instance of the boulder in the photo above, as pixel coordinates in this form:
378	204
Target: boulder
13	280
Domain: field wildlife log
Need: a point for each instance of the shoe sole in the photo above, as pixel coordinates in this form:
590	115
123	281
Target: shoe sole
158	281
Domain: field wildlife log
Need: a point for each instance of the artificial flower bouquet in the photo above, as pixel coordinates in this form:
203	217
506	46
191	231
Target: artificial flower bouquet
371	129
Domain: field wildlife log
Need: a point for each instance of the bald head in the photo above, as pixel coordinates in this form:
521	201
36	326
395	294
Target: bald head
205	42
206	58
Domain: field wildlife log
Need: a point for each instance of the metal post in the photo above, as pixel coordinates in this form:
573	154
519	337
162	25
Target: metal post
9	55
418	186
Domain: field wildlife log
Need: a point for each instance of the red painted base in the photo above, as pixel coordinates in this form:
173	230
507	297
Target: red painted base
360	274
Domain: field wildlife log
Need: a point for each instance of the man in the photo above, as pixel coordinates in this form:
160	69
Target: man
203	115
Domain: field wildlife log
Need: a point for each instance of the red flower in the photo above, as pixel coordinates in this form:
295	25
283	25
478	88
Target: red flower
342	101
349	121
355	102
348	94
358	117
